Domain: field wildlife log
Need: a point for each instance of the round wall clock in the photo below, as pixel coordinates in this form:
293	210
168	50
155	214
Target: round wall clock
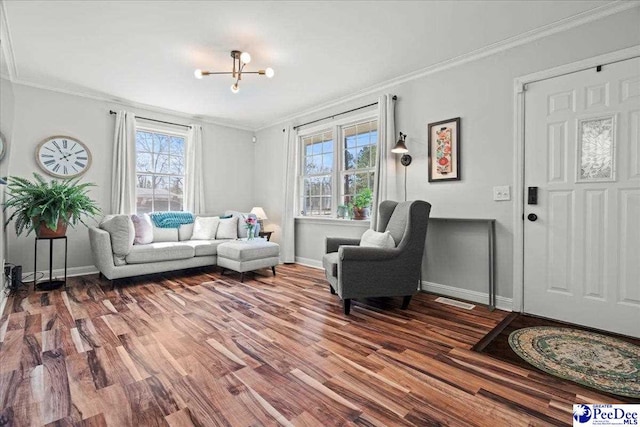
3	146
63	156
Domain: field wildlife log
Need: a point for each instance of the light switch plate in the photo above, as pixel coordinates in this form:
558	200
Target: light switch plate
501	193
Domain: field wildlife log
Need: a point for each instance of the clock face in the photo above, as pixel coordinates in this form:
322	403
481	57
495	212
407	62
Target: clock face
63	156
3	146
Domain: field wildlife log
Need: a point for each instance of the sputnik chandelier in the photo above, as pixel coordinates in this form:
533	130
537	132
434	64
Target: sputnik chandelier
240	60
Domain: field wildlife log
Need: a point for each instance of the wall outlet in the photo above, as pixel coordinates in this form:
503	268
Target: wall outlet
501	193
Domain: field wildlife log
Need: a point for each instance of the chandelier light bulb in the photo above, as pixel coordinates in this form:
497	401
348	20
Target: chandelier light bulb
235	88
269	72
198	73
245	57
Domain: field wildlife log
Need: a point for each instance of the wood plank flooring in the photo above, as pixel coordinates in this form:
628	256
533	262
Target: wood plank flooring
195	348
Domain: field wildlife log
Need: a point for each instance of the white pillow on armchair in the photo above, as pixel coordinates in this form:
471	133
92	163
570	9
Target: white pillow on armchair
375	239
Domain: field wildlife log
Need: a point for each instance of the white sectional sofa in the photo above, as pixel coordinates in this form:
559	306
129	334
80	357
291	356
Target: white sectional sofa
116	256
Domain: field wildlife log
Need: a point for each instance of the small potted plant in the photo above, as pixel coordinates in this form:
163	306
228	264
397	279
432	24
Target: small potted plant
48	207
362	204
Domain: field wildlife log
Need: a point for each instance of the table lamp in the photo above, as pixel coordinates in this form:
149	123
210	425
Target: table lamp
260	214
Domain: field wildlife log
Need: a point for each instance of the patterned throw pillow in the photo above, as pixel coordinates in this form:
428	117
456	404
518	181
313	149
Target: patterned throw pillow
143	229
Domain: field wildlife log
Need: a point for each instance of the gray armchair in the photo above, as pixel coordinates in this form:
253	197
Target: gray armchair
361	272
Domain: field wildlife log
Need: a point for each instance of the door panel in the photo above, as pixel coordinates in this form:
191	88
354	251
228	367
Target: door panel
582	151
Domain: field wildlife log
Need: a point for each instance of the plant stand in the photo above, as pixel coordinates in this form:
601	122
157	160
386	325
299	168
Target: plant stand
50	284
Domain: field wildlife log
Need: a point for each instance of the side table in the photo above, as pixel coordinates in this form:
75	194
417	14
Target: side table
50	284
266	234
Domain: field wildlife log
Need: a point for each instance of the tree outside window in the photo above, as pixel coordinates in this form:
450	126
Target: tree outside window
159	171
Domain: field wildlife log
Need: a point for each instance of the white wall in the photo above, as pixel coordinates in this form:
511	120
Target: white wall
6	127
481	93
228	156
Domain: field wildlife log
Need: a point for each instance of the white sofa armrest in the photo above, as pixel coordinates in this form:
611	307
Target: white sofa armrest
100	241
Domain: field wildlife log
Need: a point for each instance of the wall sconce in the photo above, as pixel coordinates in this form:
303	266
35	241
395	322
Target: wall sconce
405	160
401	147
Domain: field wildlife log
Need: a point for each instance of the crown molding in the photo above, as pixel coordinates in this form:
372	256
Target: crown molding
7	47
594	14
509	43
131	104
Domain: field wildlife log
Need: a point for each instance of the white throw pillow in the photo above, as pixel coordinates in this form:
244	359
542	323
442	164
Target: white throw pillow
374	239
228	228
164	234
144	229
122	232
204	228
185	231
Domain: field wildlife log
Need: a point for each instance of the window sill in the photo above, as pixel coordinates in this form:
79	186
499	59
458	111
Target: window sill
333	221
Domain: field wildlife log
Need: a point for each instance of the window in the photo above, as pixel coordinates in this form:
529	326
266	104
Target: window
159	171
335	169
360	142
318	171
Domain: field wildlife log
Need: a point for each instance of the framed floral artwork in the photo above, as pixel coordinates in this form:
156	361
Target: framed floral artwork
444	150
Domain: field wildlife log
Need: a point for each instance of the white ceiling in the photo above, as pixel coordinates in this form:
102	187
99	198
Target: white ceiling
146	51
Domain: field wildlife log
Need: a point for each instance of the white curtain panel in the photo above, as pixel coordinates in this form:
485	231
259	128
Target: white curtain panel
287	242
385	167
123	181
194	172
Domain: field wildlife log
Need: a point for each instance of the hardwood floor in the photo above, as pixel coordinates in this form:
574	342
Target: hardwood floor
197	348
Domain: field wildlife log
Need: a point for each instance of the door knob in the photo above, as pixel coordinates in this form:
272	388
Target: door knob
532	217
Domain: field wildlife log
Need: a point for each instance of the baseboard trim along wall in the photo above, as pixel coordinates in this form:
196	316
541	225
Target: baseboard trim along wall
502	303
59	272
309	262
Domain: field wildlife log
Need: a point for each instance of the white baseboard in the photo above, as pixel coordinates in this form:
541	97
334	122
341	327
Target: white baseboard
309	262
502	303
59	272
3	300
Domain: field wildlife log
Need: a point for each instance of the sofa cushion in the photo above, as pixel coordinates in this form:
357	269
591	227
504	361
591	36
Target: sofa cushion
159	251
120	228
205	247
242	250
375	239
143	229
165	234
330	263
185	232
228	228
205	228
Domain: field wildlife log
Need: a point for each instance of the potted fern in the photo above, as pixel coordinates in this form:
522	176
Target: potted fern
362	204
48	207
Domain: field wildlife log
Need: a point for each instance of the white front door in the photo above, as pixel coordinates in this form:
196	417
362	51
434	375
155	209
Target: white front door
582	152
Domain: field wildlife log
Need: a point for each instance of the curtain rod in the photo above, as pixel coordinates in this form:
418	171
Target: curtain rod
340	114
154	120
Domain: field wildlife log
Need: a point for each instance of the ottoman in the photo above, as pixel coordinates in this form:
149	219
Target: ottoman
248	255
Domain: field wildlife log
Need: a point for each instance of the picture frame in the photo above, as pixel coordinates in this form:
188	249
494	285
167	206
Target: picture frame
444	150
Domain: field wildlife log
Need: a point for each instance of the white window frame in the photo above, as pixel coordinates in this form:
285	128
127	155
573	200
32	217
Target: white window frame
165	130
338	172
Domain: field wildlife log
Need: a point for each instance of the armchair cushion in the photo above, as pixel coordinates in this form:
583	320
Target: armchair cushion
330	263
375	239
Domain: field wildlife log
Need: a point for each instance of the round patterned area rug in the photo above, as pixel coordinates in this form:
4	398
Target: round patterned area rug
604	363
